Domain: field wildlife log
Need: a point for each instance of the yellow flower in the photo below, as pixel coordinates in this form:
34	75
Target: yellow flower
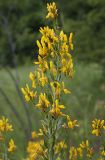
60	146
71	124
5	126
56	109
43	102
97	125
103	153
67	67
43	50
34	135
52	10
42	64
33	79
84	145
53	69
29	95
63	37
42	79
35	150
65	90
56	88
80	151
89	152
48	36
73	153
71	41
12	146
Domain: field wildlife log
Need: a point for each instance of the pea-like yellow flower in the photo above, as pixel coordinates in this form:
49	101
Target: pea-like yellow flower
35	150
34	135
56	88
42	78
71	124
43	64
56	109
32	76
5	126
89	152
85	144
52	10
53	69
49	35
67	67
97	126
60	146
103	152
80	151
29	95
43	50
11	146
65	90
43	103
71	41
63	37
73	153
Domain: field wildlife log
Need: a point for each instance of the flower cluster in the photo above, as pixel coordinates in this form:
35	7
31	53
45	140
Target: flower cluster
52	11
35	150
98	126
84	150
6	146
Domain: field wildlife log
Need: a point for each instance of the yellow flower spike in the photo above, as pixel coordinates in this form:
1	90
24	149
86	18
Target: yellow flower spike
11	146
71	124
43	103
52	10
5	126
71	41
29	95
65	90
56	109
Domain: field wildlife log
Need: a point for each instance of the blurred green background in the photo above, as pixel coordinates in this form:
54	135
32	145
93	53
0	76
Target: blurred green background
20	21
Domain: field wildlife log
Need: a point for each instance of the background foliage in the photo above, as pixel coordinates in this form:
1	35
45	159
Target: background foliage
20	21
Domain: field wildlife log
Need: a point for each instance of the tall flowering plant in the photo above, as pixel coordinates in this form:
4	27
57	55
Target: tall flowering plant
47	89
54	63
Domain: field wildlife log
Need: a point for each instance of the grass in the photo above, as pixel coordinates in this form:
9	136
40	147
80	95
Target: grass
85	103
